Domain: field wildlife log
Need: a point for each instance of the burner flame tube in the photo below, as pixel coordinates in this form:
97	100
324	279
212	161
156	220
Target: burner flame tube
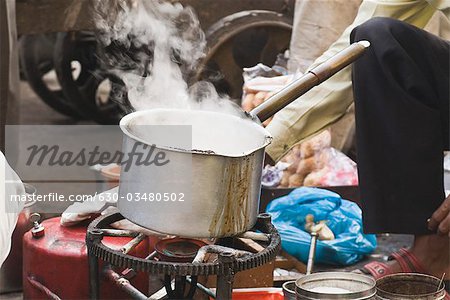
124	284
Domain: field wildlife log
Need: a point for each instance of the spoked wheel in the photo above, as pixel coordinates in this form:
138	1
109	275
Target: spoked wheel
101	95
36	59
242	40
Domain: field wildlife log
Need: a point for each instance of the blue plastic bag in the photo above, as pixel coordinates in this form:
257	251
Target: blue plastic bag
344	219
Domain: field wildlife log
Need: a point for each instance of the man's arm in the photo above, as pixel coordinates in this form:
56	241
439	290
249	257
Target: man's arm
328	102
442	5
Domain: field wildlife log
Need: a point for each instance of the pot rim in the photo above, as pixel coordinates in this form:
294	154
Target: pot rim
287	289
364	294
124	122
408	276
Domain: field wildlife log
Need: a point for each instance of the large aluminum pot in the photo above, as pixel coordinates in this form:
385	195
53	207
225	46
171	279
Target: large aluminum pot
223	176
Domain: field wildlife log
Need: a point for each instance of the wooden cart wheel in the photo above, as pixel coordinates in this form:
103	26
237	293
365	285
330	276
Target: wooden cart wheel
100	95
241	40
36	60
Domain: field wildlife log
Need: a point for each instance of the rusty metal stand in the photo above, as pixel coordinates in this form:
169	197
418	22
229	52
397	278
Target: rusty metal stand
225	280
94	283
180	278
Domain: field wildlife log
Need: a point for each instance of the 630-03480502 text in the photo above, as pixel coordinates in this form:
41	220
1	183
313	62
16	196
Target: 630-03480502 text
154	197
106	196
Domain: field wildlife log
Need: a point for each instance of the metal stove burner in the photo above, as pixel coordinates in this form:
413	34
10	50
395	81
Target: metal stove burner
180	277
178	249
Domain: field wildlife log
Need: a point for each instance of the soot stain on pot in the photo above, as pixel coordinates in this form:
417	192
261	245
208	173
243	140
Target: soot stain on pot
203	151
231	215
193	151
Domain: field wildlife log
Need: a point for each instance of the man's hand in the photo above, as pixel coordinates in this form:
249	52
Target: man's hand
440	220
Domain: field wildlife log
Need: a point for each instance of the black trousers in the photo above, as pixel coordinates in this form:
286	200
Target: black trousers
401	89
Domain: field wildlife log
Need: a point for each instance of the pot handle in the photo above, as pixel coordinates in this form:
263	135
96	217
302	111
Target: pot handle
312	78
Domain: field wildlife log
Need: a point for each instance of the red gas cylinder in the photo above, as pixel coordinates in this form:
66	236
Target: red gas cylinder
58	261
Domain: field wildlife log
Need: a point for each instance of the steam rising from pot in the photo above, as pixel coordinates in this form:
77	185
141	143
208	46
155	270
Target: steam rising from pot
154	46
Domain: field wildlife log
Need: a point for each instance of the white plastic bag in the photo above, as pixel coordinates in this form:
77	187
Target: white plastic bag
103	203
81	211
260	83
315	163
9	212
